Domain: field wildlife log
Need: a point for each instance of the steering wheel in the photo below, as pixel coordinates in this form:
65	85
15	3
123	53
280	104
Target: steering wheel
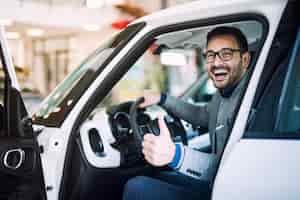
176	128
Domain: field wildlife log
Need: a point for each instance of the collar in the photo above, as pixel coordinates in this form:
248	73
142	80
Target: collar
228	91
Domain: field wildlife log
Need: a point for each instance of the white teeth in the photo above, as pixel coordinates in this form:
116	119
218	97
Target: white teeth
220	71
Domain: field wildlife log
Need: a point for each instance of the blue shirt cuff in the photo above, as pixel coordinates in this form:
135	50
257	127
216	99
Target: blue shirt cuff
177	157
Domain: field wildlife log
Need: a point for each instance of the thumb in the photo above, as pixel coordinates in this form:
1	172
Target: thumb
164	131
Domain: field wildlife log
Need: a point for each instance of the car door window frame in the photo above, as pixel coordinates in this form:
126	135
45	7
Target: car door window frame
139	48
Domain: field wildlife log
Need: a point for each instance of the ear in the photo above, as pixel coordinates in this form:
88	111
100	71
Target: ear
246	59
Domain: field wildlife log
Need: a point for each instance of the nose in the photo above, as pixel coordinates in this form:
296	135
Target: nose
217	61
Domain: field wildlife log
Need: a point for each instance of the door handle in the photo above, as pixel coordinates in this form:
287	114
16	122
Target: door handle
14	158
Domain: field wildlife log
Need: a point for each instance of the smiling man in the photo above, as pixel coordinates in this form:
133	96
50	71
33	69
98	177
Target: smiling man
227	60
227	57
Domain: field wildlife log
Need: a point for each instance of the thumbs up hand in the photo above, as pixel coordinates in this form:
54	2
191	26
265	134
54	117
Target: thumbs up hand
159	150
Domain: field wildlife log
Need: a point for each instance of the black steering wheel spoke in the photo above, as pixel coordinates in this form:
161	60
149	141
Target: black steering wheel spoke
137	131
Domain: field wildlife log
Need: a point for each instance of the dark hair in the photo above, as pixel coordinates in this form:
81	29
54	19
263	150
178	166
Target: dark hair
227	30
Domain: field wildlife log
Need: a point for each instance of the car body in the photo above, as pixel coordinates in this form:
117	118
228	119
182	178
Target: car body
260	160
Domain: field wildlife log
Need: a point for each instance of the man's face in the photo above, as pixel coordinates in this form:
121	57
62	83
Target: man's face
226	73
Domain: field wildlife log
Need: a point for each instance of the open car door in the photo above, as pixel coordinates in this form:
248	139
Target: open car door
20	164
264	162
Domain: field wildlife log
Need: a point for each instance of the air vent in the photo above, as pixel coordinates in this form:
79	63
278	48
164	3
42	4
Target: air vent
96	142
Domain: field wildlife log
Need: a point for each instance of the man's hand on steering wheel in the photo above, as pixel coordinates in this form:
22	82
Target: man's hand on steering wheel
159	150
150	98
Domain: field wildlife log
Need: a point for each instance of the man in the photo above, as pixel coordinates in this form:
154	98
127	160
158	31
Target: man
227	60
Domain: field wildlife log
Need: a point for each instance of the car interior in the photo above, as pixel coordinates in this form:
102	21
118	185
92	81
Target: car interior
105	150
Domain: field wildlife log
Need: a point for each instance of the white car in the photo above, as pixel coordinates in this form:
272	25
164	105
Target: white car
85	146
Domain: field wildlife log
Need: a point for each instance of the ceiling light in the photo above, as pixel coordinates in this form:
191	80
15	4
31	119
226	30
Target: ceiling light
35	32
12	35
6	22
91	27
94	3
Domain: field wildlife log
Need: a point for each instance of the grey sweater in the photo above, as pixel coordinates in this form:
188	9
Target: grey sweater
217	116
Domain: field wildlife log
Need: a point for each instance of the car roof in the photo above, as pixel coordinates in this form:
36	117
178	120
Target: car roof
199	9
196	38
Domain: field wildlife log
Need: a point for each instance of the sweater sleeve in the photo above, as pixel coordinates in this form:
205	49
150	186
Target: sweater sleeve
189	161
197	164
194	114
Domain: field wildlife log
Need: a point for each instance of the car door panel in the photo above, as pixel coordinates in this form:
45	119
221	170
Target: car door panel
18	156
20	163
264	163
271	170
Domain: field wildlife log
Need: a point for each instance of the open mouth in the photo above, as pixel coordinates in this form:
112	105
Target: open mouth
220	74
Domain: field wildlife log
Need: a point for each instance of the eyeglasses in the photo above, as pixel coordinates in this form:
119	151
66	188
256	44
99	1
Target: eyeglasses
224	54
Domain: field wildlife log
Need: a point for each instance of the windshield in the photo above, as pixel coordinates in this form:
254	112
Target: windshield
60	102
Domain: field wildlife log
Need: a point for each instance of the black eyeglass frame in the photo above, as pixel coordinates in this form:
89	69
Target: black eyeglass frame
220	54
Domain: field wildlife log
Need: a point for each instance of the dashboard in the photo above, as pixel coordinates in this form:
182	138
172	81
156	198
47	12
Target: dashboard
108	140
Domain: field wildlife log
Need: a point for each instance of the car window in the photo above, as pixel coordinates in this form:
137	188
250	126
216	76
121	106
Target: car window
58	104
150	73
275	106
289	112
174	64
201	91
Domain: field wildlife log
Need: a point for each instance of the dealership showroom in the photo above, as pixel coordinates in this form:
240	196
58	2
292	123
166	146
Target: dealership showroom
149	99
50	38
